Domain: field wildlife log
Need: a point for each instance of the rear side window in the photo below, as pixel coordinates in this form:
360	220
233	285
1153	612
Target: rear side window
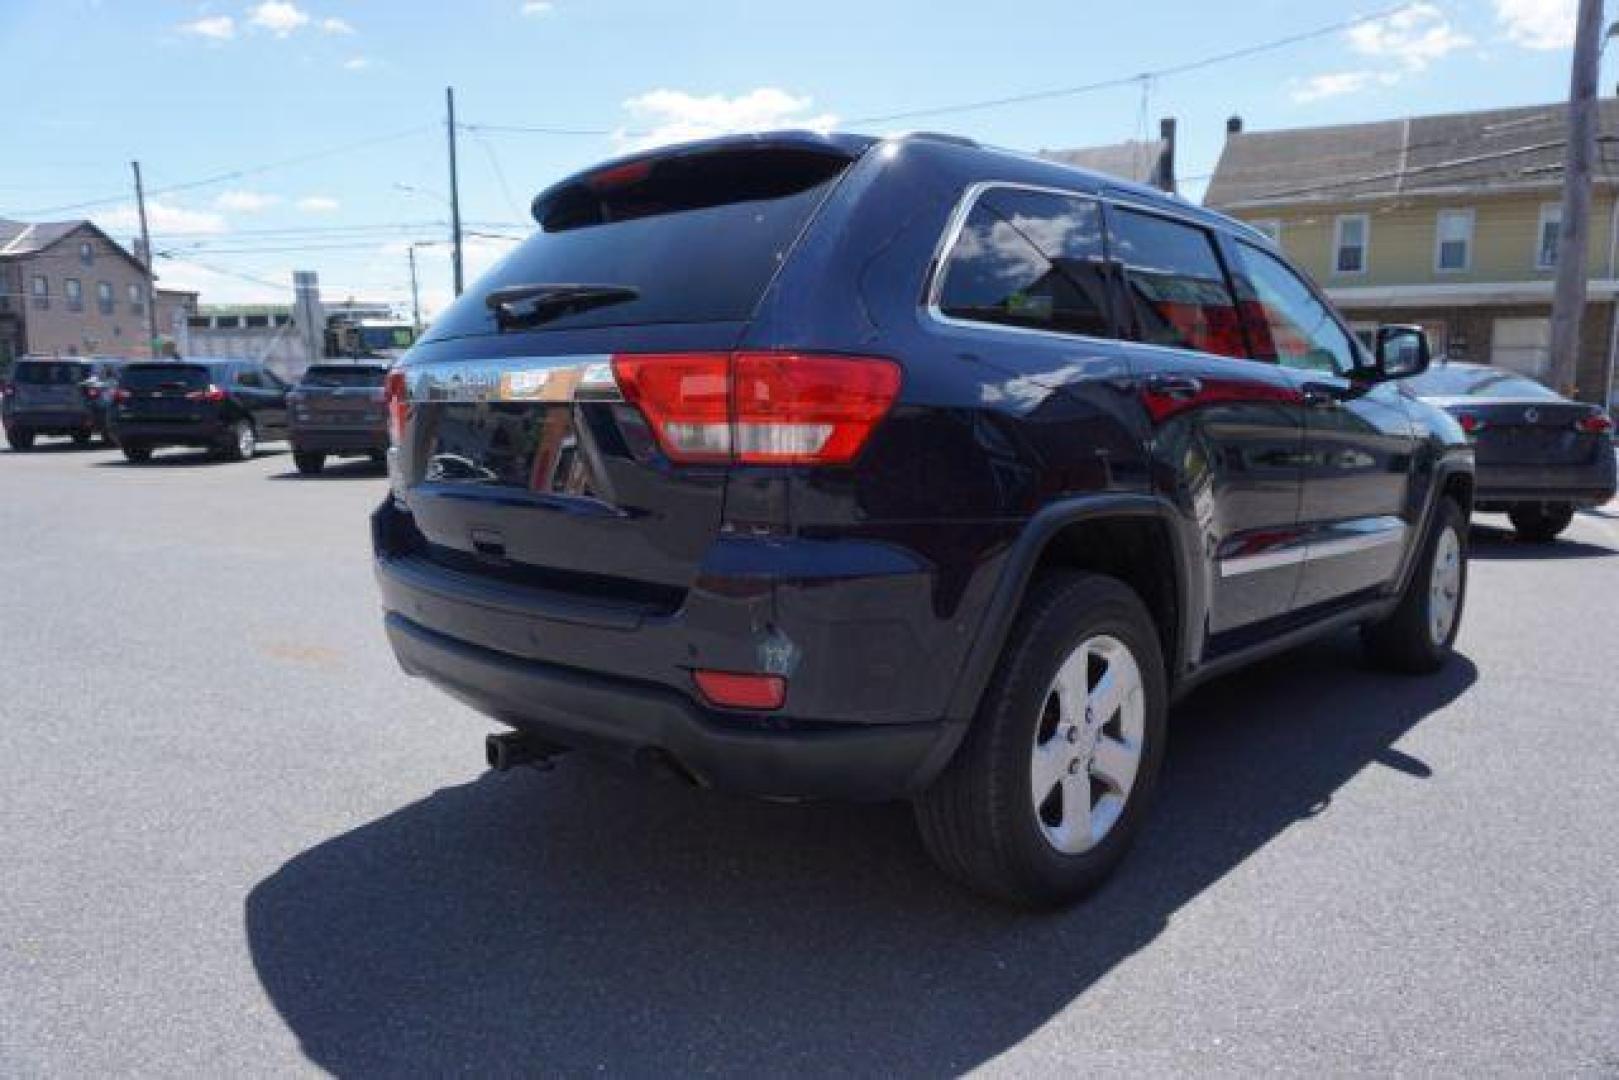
335	376
34	373
699	238
1029	259
249	378
1176	289
164	377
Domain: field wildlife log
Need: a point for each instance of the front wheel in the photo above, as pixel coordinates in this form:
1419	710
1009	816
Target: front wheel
309	462
81	438
20	440
243	441
1052	783
1540	523
1418	636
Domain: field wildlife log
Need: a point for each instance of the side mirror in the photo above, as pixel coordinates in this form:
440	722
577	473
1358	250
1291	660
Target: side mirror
1402	351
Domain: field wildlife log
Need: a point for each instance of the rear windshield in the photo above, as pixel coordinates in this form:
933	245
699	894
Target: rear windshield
698	238
346	375
165	376
37	373
1472	382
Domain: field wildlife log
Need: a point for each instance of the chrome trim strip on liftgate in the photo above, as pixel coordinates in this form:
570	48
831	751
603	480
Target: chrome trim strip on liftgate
1363	535
516	379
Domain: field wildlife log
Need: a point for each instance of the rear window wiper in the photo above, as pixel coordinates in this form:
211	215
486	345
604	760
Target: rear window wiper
530	305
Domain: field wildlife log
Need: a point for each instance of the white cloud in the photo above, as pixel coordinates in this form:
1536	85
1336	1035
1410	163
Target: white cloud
537	7
675	116
1412	37
245	202
1338	83
318	204
213	27
280	17
163	218
1537	24
357	63
333	25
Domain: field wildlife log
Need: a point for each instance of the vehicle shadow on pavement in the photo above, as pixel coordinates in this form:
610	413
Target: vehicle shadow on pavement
347	470
182	459
1488	542
584	920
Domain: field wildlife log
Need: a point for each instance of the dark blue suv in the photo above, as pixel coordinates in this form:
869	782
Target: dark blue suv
824	466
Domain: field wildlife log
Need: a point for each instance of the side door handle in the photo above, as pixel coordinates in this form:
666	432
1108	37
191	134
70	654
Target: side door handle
1322	396
1179	387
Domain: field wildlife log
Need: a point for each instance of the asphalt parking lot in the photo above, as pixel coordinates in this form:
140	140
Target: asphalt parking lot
236	840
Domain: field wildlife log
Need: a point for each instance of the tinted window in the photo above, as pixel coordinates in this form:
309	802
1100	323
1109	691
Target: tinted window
387	337
1177	291
1287	322
698	236
346	375
1445	381
1030	259
35	373
164	377
249	379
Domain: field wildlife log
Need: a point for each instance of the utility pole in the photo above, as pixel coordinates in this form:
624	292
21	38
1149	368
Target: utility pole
1568	301
455	191
146	257
415	298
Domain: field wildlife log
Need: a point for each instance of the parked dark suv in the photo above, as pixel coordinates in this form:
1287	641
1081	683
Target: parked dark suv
336	410
49	397
810	466
228	406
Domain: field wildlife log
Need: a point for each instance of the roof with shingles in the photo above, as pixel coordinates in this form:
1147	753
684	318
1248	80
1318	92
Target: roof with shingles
1140	162
1492	150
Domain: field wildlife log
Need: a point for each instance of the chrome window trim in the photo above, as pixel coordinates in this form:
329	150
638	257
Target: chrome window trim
515	379
1364	535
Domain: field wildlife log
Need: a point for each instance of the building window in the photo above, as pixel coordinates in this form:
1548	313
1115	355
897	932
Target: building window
41	289
87	252
1551	224
137	299
104	297
283	320
1349	243
227	322
1270	228
1453	240
255	320
74	293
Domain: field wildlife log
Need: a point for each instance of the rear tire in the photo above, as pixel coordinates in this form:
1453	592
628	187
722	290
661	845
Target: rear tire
243	441
1540	523
379	458
309	462
1417	638
1098	731
137	454
20	440
81	438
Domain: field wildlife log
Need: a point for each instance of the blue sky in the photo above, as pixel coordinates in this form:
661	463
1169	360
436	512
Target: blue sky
200	90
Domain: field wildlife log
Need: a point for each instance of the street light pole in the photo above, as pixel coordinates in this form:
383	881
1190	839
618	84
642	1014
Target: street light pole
415	297
455	191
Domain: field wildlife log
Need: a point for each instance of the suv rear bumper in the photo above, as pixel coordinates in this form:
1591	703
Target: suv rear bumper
650	726
197	433
312	438
862	713
50	421
1584	485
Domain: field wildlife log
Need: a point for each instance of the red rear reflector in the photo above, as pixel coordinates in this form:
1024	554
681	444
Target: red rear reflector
1596	424
1470	423
759	408
735	691
92	392
393	392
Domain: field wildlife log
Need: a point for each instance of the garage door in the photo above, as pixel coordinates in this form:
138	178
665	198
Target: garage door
1522	345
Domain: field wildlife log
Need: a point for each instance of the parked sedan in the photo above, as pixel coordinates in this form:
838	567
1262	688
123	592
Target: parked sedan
228	406
337	410
1540	456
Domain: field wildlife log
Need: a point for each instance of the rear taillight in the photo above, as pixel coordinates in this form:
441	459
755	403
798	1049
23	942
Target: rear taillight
759	408
120	394
1470	422
92	393
1595	424
213	393
7	390
393	393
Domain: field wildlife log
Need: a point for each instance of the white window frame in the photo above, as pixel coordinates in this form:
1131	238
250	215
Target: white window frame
1270	228
1365	244
1464	213
1549	212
